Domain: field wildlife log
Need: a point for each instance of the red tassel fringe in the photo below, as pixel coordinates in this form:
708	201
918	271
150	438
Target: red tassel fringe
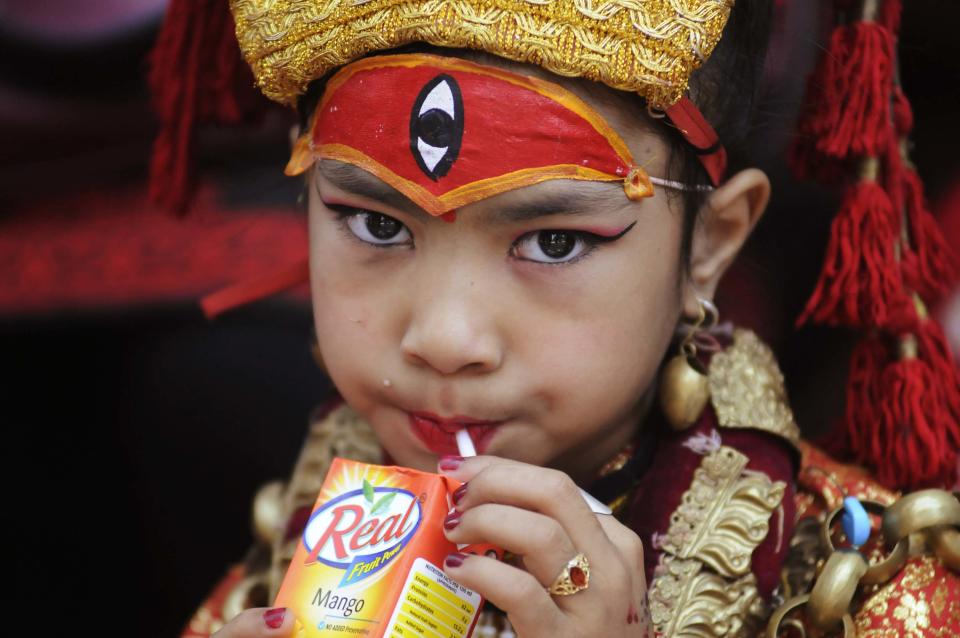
860	283
197	76
933	347
902	417
847	107
930	265
869	356
910	439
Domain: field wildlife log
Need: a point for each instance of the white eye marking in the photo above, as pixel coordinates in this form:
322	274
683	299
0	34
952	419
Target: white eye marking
436	126
441	97
431	154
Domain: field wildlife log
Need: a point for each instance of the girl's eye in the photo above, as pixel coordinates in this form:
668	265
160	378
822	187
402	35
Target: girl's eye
377	228
553	246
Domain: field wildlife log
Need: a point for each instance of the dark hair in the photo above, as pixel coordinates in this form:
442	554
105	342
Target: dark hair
724	90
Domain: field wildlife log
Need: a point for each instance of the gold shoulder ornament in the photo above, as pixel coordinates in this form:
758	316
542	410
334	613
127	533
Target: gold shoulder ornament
747	390
645	46
703	587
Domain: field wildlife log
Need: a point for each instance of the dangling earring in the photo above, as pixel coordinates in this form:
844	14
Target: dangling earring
684	387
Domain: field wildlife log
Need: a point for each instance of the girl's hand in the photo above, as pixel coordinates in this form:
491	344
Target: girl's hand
259	622
540	515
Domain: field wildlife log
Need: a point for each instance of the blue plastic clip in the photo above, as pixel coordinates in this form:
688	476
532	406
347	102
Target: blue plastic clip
856	523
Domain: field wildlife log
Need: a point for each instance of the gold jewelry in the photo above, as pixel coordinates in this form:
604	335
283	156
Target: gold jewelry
918	511
879	571
574	577
684	386
647	46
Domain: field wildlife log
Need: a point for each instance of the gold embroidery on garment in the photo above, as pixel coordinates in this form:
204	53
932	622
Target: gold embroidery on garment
647	46
905	608
690	601
724	514
747	391
703	586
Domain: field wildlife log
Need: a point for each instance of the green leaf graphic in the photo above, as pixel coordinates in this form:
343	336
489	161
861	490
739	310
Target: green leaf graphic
383	503
368	491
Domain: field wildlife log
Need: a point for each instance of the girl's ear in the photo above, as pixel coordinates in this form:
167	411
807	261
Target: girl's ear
723	225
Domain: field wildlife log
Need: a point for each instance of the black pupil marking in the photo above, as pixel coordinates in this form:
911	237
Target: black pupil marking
435	127
440	129
383	227
556	243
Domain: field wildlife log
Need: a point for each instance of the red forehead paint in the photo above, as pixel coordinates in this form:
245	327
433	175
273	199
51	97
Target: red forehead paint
446	132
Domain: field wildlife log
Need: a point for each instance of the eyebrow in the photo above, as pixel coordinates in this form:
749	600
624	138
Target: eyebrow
572	198
357	181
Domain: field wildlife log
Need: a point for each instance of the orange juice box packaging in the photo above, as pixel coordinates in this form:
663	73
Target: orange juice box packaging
369	562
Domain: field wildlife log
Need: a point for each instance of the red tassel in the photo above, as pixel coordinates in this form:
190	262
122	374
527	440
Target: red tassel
858	76
868	359
929	264
890	12
846	106
902	113
933	348
860	283
196	76
910	447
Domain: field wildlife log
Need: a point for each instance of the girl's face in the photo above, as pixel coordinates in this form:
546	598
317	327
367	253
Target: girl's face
537	319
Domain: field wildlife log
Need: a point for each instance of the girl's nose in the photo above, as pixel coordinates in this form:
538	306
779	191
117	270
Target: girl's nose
451	331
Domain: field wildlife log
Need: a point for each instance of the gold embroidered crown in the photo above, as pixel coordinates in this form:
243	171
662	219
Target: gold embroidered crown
647	46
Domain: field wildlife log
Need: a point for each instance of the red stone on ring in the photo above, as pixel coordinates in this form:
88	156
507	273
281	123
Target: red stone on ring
577	577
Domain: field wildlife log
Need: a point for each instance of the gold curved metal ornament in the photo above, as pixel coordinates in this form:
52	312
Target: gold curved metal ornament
834	590
878	572
945	541
773	627
268	512
684	392
884	570
918	511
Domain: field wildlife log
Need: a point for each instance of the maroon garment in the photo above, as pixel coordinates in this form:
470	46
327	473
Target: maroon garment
670	474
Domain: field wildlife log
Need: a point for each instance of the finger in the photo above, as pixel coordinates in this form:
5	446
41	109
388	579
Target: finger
527	604
542	542
547	491
277	622
630	548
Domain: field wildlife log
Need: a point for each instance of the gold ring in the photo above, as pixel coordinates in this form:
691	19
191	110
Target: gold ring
918	511
574	577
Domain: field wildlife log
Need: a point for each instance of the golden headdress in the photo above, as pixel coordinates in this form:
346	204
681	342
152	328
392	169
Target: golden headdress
647	46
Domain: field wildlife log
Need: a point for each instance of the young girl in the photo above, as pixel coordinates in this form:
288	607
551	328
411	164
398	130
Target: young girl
505	239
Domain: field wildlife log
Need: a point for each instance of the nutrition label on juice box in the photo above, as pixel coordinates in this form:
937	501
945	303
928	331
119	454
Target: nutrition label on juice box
432	605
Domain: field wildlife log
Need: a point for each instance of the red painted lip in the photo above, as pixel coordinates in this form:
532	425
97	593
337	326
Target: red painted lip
439	433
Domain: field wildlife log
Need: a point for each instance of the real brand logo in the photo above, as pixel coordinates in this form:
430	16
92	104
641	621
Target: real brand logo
362	531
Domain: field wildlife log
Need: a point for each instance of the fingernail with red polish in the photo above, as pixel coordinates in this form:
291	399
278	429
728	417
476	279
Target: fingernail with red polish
455	560
459	493
449	462
274	617
452	520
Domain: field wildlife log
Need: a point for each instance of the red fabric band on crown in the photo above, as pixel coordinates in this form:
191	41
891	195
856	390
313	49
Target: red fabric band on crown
446	132
697	131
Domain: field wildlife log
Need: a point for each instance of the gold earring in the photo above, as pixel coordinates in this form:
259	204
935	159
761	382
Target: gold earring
684	387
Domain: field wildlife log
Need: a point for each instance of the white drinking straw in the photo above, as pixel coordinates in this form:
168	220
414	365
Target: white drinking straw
466	448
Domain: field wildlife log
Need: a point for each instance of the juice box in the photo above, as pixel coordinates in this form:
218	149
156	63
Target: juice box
369	560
